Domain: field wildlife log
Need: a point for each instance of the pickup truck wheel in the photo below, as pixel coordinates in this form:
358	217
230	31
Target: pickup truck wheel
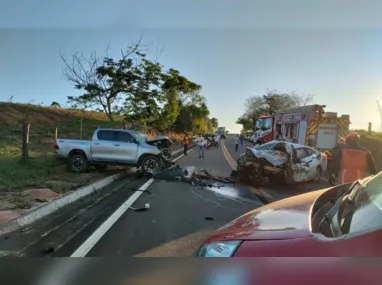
78	163
150	163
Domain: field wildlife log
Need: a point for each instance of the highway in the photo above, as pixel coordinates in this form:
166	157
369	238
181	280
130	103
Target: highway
179	219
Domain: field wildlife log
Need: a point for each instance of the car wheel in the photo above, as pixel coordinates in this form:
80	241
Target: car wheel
318	174
78	163
150	163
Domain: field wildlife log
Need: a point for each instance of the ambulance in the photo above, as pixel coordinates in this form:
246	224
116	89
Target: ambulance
307	125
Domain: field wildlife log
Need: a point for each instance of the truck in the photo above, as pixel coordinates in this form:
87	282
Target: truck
308	125
115	147
221	131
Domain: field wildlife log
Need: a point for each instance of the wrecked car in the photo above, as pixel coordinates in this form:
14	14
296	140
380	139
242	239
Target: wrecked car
115	147
282	161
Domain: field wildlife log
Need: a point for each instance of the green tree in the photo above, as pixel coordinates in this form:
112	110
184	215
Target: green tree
105	80
214	123
55	104
269	104
177	91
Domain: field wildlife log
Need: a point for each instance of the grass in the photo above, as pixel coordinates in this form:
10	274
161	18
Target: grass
43	169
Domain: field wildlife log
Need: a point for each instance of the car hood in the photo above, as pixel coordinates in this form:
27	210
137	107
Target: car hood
284	219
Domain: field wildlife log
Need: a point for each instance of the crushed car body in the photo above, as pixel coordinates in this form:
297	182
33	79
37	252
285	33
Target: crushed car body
281	161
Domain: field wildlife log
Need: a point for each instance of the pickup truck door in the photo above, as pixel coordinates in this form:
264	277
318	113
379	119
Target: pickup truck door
125	148
102	149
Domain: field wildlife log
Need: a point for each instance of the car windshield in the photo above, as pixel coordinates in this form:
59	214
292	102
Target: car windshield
365	214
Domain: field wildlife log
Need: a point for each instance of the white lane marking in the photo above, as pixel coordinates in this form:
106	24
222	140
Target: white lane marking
84	249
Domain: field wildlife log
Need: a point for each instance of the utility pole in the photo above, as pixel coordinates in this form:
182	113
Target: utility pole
380	113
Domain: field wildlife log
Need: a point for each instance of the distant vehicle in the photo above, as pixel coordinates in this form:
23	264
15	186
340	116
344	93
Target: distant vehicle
115	146
221	131
341	221
287	162
208	134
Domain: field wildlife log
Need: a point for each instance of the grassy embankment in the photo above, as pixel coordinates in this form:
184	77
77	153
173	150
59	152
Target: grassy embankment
43	170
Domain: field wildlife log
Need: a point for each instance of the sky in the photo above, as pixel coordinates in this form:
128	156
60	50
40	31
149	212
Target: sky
234	49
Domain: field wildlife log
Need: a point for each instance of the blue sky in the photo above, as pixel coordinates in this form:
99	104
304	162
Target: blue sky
234	49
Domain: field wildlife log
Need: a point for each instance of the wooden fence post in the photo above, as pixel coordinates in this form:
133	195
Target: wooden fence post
369	129
25	140
81	128
56	133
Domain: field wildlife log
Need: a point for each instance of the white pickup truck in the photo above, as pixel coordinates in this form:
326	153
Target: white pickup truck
113	147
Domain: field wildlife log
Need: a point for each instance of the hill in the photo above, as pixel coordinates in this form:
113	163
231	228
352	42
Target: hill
44	122
42	168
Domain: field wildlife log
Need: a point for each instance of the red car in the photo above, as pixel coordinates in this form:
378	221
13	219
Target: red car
342	221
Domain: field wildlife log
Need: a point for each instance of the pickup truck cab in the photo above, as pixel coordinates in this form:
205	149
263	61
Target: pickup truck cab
115	147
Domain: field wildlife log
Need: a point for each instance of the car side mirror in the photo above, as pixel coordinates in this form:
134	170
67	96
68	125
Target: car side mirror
135	141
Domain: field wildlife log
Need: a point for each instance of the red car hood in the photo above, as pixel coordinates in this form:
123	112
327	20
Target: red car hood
284	219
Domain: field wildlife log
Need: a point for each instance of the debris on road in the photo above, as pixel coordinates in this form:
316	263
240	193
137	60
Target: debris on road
192	175
147	206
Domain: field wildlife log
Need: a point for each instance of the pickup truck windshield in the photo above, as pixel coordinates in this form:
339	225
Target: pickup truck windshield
140	136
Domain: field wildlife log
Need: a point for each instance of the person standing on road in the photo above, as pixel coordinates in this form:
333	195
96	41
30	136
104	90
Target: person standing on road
236	140
217	139
201	142
353	161
185	144
241	139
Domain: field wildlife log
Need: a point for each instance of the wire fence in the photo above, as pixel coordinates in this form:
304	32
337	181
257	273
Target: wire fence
24	138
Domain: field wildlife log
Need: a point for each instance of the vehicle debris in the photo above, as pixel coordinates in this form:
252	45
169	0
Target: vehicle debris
192	175
147	206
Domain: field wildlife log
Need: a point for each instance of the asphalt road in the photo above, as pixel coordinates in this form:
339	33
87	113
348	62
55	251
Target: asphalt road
179	219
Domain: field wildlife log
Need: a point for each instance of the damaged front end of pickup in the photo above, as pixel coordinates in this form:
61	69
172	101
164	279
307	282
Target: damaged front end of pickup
163	143
256	167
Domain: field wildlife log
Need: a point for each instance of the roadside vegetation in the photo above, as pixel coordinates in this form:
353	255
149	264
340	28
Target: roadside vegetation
130	91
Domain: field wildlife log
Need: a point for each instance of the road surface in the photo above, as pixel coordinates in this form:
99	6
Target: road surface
179	219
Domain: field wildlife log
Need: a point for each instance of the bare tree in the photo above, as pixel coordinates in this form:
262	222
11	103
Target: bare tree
102	78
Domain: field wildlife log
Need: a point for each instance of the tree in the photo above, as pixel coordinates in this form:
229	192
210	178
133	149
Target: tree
104	80
193	117
247	123
214	123
138	89
268	104
55	104
144	95
178	91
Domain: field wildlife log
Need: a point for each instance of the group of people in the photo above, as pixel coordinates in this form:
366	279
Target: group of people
201	142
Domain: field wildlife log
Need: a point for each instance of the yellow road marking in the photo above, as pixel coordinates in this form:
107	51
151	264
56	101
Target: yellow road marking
228	157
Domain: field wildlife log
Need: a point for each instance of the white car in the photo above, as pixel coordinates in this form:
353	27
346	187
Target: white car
292	162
